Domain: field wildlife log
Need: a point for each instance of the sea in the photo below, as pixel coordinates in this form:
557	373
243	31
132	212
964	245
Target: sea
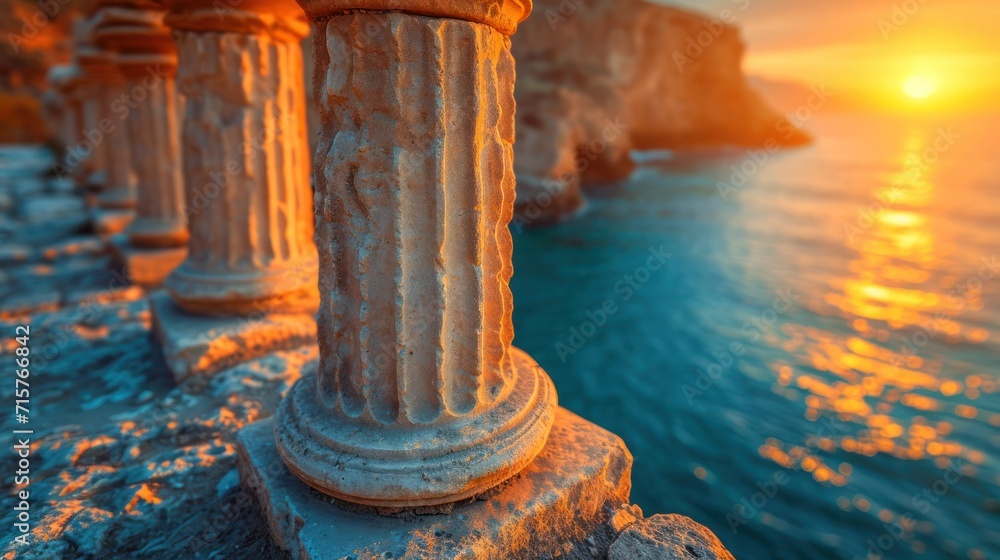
800	349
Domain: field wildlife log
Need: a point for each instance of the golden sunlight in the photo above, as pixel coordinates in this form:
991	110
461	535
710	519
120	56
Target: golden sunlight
920	86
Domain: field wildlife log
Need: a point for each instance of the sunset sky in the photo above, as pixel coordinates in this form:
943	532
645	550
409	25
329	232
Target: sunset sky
870	48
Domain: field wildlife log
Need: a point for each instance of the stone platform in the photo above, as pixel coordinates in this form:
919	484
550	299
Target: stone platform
146	267
205	345
569	502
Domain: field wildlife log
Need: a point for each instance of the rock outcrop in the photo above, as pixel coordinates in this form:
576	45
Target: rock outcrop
668	537
599	78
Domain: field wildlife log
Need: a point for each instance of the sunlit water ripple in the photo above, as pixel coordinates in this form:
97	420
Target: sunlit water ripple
869	392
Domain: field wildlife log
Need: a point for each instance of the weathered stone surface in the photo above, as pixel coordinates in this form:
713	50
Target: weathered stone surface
201	345
420	399
245	158
132	466
27	303
600	78
668	537
502	15
558	503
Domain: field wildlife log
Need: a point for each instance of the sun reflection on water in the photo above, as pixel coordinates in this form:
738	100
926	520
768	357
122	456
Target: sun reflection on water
880	390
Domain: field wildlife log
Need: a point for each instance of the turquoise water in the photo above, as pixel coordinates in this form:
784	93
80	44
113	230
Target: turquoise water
813	371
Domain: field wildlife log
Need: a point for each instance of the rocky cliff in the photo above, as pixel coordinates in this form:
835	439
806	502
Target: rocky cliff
600	78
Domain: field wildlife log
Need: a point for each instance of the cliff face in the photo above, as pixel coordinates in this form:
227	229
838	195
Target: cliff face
599	78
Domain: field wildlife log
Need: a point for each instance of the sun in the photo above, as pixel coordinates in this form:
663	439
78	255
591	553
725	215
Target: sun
920	86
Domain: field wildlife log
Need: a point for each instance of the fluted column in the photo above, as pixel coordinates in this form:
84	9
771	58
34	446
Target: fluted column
147	60
89	158
108	133
245	158
420	398
66	80
71	122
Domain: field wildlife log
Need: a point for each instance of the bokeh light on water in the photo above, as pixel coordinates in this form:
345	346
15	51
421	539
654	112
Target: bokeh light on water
872	398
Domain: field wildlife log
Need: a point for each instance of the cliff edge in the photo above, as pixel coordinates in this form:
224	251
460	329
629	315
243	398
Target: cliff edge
600	78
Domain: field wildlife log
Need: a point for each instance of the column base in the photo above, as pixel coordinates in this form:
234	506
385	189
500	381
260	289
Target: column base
562	504
121	198
111	222
157	234
146	267
290	290
393	466
199	345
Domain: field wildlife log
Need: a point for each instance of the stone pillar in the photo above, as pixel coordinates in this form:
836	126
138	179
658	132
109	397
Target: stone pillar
147	60
53	108
156	240
248	285
420	399
245	159
106	133
67	82
88	160
119	192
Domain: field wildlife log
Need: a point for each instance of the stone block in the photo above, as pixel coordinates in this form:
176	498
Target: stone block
668	537
204	345
560	505
146	267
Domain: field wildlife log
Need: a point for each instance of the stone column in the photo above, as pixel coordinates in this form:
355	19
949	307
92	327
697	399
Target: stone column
156	240
90	155
420	399
245	158
57	104
119	192
68	81
106	134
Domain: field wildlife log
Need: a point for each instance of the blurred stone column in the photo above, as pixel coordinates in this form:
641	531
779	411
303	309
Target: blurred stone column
106	132
420	398
90	154
67	80
53	107
147	59
246	169
246	161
